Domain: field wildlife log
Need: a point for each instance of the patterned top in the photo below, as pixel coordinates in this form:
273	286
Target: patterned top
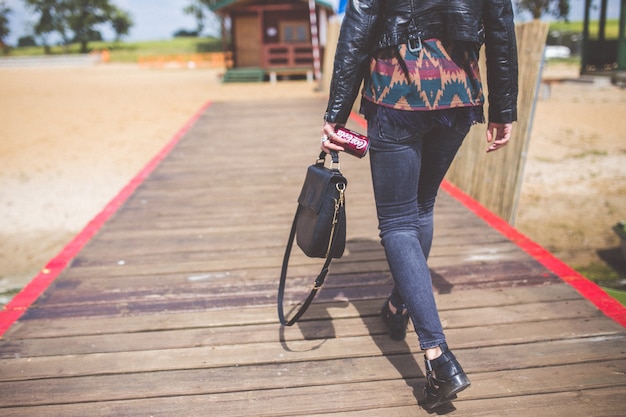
440	76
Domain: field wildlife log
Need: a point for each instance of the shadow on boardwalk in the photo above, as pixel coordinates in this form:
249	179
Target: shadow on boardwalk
169	310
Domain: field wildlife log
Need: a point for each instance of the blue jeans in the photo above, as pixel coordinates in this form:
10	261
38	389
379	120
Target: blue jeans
408	162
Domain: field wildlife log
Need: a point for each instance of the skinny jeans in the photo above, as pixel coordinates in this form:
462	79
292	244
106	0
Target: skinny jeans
408	163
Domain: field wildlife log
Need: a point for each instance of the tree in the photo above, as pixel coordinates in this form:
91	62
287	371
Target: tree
184	33
537	8
78	17
196	10
82	16
121	22
201	11
210	3
4	22
28	40
49	21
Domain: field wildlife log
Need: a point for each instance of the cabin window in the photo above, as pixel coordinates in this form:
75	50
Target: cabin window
295	32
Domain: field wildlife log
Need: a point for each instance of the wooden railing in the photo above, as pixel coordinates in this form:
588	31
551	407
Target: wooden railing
287	55
495	180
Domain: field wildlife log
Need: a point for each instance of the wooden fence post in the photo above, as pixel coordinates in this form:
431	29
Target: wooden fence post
332	36
495	179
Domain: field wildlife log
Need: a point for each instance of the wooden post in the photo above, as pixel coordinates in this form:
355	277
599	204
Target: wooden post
495	180
585	51
315	40
621	43
332	35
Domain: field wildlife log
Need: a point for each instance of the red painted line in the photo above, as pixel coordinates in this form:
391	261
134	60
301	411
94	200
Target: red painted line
359	120
24	299
591	291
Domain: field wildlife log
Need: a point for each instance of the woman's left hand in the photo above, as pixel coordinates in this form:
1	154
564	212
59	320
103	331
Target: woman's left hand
498	135
330	141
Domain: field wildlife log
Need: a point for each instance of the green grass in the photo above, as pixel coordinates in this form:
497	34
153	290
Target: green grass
131	51
611	28
606	277
617	294
6	296
599	273
572	60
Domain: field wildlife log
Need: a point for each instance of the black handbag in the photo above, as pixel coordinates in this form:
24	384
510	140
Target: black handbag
319	225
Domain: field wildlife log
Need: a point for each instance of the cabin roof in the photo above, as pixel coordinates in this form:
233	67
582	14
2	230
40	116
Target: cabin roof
225	4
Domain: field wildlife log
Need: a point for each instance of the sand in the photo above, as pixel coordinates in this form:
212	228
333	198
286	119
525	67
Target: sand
71	138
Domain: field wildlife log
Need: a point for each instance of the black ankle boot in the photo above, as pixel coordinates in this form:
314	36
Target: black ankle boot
397	322
444	379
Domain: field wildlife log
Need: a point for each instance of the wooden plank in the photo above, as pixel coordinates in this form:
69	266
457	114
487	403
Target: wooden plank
486	383
189	283
543	354
201	297
368	398
260	254
44	328
458	336
598	403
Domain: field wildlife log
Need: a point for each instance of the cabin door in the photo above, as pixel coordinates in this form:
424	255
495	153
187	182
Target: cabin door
248	41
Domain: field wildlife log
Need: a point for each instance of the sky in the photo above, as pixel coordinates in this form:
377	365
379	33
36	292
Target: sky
159	19
153	19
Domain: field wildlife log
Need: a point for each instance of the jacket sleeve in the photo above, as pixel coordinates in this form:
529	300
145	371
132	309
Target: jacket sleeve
351	58
501	54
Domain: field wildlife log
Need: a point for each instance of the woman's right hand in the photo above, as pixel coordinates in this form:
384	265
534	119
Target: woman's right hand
330	141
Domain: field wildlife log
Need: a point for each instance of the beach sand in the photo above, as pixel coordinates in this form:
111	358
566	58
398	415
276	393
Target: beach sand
71	138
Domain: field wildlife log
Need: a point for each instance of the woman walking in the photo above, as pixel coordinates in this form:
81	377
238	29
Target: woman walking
422	91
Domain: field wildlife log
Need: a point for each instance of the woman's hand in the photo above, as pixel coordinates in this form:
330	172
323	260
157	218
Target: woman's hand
501	136
330	141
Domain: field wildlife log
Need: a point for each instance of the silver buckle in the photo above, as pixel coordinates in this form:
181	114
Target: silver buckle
412	47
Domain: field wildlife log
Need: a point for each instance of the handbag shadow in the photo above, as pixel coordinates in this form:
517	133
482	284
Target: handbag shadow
317	330
398	353
348	285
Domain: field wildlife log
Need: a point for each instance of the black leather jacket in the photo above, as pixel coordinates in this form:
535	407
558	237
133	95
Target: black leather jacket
370	25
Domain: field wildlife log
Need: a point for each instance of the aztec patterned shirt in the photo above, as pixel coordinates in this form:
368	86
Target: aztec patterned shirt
440	76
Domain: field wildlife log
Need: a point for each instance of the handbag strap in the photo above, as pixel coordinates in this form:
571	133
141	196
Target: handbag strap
319	281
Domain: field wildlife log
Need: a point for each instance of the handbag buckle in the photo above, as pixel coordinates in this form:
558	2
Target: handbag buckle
334	160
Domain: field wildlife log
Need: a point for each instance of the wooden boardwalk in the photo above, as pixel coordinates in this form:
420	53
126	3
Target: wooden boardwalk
169	310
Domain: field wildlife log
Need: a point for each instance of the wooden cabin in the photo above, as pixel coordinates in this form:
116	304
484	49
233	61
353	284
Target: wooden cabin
273	37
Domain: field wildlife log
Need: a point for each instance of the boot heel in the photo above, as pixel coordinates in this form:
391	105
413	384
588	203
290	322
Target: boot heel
444	379
455	385
396	322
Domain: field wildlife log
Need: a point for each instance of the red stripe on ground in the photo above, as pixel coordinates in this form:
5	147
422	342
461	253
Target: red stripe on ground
360	120
24	299
591	291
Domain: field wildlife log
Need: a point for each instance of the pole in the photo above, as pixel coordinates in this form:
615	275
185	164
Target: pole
621	47
315	41
585	51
